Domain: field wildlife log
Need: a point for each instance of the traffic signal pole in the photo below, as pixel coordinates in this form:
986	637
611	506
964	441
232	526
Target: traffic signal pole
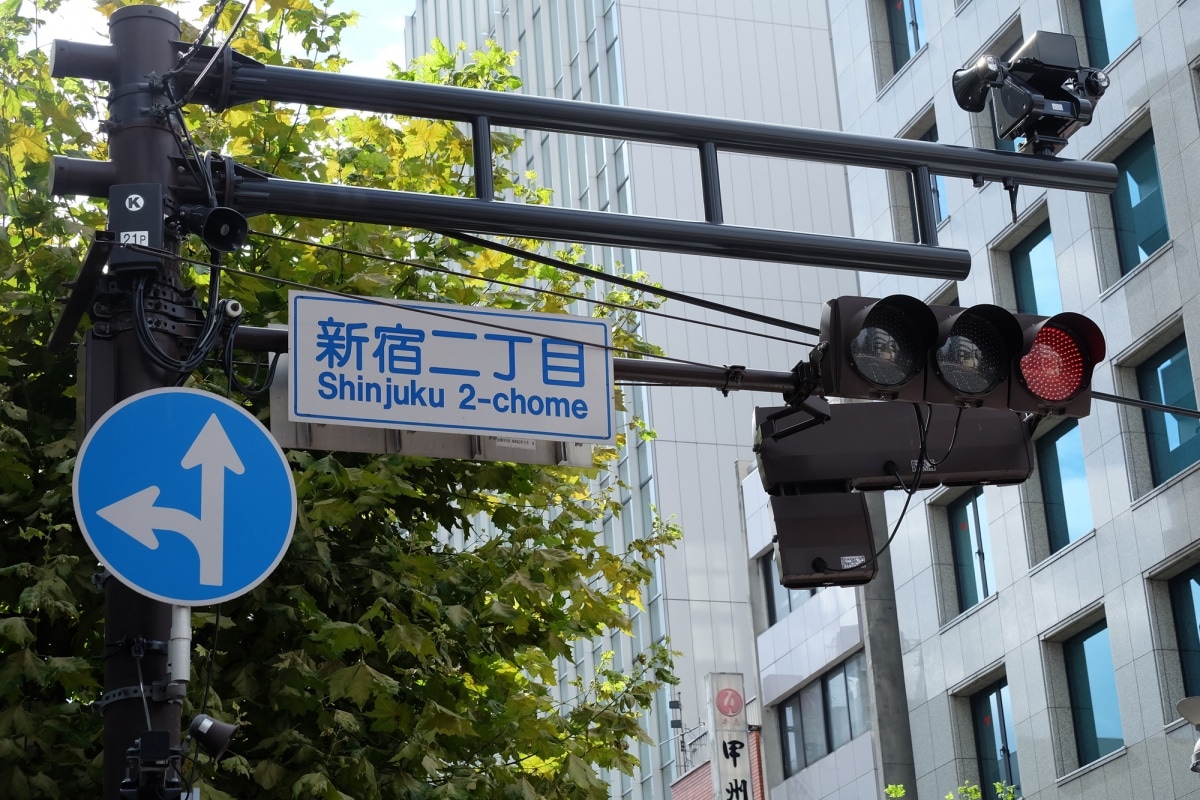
137	630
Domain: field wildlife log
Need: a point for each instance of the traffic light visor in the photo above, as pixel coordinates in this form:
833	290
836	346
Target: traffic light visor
890	346
1058	363
977	348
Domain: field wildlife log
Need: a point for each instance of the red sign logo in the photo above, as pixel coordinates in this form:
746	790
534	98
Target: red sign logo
729	702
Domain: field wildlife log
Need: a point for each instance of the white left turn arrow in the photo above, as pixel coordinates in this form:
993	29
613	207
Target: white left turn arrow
138	516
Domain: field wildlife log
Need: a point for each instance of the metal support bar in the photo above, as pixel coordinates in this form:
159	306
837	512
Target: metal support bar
481	145
251	80
710	183
257	193
275	340
923	206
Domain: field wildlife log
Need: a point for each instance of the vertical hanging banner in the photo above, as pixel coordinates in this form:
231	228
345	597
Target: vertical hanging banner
456	369
731	736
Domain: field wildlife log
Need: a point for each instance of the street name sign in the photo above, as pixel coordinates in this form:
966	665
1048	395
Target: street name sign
449	368
184	496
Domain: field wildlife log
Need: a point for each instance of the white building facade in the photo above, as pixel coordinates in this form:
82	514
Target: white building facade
1047	630
768	61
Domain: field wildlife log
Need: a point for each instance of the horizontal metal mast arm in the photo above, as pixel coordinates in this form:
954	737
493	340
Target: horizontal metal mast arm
275	340
255	193
247	80
381	206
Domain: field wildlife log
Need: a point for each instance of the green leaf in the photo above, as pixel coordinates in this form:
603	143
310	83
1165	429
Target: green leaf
358	683
16	630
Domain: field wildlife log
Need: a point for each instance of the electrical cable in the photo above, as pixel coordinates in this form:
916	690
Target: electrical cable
253	388
923	431
552	292
237	23
600	275
404	305
209	27
138	652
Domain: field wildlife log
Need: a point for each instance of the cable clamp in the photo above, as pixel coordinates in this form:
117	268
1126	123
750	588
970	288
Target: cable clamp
136	647
733	375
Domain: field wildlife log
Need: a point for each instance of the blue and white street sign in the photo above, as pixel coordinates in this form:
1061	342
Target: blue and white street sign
184	496
455	369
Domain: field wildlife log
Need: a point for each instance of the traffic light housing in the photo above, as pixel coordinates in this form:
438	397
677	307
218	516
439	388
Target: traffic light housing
982	356
875	446
823	539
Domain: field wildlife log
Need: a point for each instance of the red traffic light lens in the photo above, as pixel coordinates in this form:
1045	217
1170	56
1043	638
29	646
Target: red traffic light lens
1055	368
974	358
889	347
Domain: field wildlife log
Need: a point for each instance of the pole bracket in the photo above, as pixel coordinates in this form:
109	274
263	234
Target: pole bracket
159	692
136	647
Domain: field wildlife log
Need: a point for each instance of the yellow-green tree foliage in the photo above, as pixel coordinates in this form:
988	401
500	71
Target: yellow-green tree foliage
377	661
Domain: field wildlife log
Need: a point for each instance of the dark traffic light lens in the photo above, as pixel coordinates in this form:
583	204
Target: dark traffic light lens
1054	367
974	359
889	348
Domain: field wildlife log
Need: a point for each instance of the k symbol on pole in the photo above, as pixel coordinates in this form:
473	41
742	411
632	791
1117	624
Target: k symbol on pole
184	496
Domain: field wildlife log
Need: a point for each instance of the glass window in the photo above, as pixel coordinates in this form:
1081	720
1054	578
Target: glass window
1139	215
789	733
781	600
995	738
1035	273
824	715
1092	684
837	708
812	722
937	183
1064	485
1166	377
856	693
904	20
1109	27
1185	603
972	548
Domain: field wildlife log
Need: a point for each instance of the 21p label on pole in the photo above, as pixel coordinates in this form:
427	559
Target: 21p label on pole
184	496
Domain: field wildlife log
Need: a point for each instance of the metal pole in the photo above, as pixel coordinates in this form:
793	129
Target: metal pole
275	340
244	80
136	629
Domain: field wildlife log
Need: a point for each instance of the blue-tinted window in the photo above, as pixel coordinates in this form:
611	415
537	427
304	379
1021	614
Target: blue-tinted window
1092	684
972	548
1110	27
1166	377
995	738
1035	273
1185	603
1064	485
1139	215
905	21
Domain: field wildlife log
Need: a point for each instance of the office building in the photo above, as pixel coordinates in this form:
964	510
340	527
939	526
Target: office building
767	61
1049	629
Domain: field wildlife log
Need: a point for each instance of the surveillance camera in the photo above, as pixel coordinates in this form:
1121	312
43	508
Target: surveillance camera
1042	95
1196	757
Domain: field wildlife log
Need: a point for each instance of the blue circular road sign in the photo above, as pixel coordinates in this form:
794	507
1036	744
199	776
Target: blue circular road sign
184	496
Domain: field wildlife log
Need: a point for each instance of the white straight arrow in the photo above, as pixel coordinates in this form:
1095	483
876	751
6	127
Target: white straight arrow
138	517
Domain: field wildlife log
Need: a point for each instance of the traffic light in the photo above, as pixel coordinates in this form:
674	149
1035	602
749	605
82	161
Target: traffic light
983	356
